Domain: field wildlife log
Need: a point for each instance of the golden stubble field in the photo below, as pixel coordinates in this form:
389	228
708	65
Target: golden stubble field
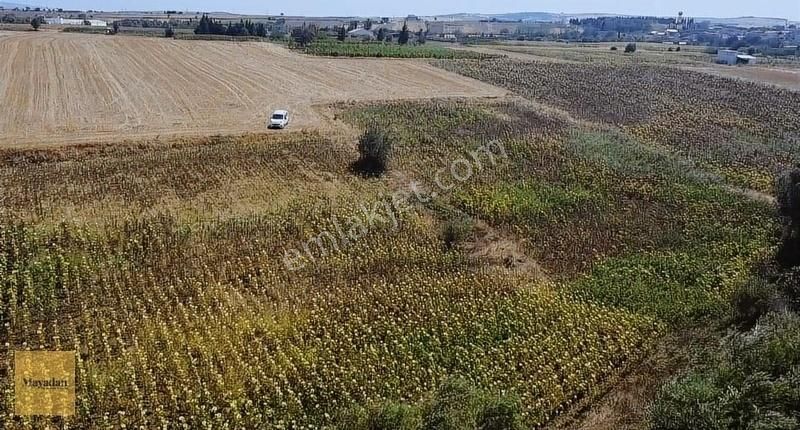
60	88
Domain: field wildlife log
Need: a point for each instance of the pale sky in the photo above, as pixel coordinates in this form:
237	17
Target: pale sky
715	8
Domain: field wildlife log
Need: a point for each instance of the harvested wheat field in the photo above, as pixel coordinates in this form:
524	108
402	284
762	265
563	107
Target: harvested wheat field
62	88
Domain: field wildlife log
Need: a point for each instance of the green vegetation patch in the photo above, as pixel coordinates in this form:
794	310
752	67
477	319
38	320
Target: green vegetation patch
692	275
752	382
527	202
330	48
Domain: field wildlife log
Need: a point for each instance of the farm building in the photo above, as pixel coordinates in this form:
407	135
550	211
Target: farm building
64	21
731	57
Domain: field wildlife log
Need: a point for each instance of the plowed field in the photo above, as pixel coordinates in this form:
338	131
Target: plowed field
61	88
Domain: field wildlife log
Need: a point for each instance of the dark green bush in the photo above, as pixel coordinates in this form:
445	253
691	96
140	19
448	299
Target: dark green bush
630	48
456	230
752	301
375	150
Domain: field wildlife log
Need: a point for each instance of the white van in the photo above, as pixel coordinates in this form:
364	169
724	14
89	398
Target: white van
279	119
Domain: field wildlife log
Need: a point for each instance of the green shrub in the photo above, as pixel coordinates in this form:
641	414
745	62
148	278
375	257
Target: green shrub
772	346
752	301
753	383
456	230
691	402
501	413
375	149
389	416
630	48
455	406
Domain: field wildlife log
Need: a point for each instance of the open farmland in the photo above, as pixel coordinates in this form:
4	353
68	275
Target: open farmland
60	88
743	131
163	264
520	255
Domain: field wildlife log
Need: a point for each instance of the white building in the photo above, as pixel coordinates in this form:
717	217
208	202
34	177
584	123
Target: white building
65	21
727	56
731	57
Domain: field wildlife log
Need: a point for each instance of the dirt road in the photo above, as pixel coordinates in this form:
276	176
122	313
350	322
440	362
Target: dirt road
60	88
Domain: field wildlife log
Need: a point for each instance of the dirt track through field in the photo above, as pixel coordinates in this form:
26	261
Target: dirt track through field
61	88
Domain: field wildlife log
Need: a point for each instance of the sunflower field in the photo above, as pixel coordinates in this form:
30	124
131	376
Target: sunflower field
163	264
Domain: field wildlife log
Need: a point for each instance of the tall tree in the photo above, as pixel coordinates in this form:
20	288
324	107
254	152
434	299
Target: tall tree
381	34
36	23
403	38
342	35
421	37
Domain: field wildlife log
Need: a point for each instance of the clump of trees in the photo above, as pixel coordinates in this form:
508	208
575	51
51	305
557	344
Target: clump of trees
375	150
421	37
404	34
36	23
208	25
304	36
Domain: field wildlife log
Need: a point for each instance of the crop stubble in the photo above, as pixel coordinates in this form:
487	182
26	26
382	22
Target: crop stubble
62	88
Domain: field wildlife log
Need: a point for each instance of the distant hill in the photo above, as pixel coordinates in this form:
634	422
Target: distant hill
522	16
748	21
5	5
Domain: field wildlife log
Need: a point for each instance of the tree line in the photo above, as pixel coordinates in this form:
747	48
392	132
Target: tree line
208	25
383	35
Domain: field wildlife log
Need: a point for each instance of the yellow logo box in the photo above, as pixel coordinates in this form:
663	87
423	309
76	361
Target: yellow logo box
44	383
